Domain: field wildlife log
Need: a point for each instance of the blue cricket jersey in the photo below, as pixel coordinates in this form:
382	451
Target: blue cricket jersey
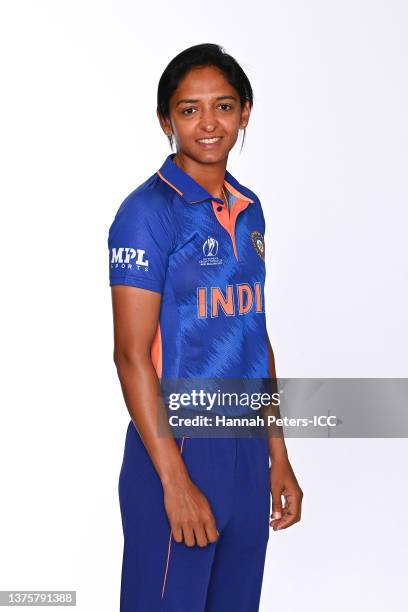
170	235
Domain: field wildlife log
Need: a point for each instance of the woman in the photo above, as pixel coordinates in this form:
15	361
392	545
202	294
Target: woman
187	273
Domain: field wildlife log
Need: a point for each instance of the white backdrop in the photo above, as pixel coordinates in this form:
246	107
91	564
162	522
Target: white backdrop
326	151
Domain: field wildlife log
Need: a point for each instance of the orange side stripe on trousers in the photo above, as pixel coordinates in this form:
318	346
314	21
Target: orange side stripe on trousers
168	552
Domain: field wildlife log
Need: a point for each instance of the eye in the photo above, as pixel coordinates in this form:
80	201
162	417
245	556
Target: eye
185	111
227	105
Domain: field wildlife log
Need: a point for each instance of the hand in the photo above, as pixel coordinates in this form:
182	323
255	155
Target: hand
283	482
189	513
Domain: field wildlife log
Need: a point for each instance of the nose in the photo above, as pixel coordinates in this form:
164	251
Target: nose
208	121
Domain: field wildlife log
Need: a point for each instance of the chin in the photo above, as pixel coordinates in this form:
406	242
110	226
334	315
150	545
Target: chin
211	156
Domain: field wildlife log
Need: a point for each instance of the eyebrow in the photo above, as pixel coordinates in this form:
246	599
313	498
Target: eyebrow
194	101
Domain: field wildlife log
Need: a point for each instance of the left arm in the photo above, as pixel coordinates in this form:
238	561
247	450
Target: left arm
282	478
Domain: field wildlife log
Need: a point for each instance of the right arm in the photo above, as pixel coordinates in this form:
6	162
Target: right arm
135	317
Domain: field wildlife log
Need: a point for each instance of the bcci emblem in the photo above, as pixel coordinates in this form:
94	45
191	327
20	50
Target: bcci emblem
210	250
259	244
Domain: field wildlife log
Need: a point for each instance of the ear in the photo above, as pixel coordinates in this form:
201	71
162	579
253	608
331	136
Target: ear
165	124
245	113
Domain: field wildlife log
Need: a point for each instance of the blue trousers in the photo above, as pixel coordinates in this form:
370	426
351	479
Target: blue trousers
162	575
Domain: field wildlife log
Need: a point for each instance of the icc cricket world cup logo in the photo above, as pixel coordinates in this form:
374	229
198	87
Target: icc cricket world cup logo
210	247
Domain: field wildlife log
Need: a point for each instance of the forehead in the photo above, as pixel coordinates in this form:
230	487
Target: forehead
203	81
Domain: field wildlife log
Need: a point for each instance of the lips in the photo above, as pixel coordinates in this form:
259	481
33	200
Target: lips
209	140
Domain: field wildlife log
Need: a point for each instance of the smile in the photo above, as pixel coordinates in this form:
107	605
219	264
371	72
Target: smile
209	140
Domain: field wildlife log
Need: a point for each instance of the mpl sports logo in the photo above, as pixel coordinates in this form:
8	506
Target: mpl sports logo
128	258
210	250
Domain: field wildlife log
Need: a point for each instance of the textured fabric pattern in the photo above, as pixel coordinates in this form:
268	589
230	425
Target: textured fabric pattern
170	235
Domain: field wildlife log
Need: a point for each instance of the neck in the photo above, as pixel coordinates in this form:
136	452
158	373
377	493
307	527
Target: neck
210	176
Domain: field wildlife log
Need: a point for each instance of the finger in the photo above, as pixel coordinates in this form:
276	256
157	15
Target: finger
188	535
211	530
293	504
276	504
286	522
290	516
177	533
200	535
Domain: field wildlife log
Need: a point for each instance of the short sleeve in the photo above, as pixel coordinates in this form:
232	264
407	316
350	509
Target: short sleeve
141	238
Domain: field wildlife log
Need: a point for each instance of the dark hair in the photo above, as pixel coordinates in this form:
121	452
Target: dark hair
201	55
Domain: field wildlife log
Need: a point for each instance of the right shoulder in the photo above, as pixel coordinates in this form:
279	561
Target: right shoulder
143	235
152	196
153	202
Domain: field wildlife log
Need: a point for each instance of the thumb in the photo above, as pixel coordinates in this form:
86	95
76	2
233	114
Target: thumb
276	504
